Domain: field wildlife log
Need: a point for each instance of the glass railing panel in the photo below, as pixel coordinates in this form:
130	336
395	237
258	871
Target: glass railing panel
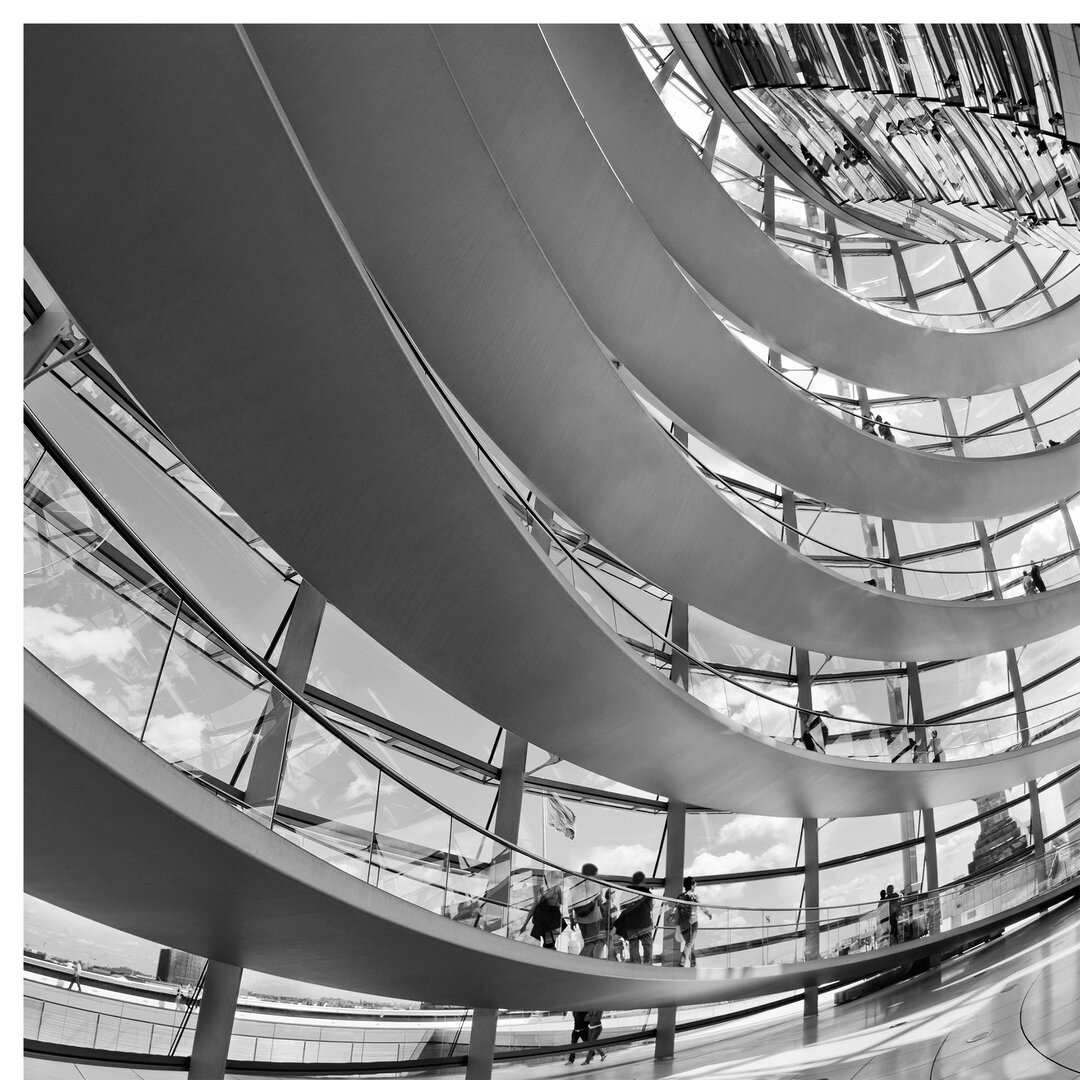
32	451
410	846
328	798
95	614
350	664
481	887
205	716
249	595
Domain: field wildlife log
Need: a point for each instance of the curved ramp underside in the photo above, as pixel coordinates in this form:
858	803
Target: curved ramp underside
635	300
434	221
116	834
712	238
195	251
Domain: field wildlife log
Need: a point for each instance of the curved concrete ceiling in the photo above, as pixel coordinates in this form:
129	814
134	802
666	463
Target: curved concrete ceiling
706	232
636	301
117	835
432	218
193	248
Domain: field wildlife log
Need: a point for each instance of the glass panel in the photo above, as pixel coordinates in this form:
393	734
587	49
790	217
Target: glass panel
479	882
246	592
206	714
328	798
410	846
95	614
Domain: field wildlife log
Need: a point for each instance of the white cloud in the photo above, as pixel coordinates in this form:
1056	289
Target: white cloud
1046	537
861	889
179	737
744	827
622	859
82	686
50	632
707	863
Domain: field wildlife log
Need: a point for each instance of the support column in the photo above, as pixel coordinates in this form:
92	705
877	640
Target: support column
481	1044
274	725
674	864
812	893
213	1028
484	1027
932	884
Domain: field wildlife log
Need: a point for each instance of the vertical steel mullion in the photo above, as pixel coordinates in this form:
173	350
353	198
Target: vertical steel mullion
374	823
161	668
446	877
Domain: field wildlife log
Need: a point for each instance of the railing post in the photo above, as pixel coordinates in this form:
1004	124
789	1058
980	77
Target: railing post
213	1028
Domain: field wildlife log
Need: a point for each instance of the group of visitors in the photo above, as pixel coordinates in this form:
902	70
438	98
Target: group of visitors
606	927
878	427
587	1028
888	918
1033	581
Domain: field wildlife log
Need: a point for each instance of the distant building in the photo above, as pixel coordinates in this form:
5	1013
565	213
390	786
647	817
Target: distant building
177	966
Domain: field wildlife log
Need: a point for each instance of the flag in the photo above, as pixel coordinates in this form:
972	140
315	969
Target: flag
560	816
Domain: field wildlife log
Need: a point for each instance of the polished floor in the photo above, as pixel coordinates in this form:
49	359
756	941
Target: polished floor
1009	1010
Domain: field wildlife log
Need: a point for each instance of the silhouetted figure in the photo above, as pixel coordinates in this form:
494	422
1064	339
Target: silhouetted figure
594	1017
1036	578
635	921
894	915
936	753
580	1032
546	914
884	430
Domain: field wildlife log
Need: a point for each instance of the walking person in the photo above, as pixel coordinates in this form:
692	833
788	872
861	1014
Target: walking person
936	752
894	915
589	912
884	429
594	1018
635	921
580	1032
687	914
881	933
76	975
546	914
1036	578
